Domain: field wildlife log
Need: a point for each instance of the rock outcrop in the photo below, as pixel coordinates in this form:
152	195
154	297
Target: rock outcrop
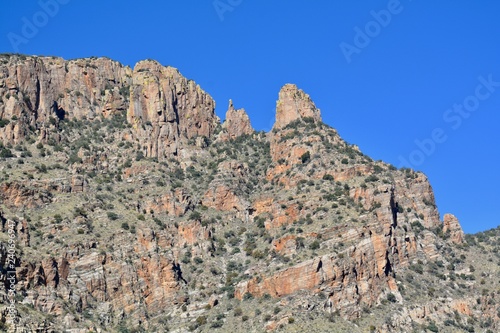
236	124
37	92
452	227
17	194
353	278
166	109
296	222
294	104
294	107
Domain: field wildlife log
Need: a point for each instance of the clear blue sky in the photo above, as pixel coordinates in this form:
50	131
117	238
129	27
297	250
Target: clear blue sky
400	84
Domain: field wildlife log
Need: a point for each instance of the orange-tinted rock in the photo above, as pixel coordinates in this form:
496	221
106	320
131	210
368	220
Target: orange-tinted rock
17	194
286	244
452	226
223	198
174	203
294	104
350	282
192	232
236	124
166	109
41	88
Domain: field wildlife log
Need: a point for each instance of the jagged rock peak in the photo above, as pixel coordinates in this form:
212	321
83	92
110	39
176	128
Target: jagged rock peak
155	66
237	123
293	104
452	226
167	109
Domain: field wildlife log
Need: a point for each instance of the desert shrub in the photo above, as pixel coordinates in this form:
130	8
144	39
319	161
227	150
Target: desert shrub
195	216
247	296
306	157
327	177
314	245
5	152
198	260
432	327
417	268
371	178
4	122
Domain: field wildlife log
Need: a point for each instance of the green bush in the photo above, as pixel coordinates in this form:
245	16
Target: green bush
247	296
306	157
58	218
112	216
5	152
201	320
432	327
327	177
198	260
4	122
314	245
196	216
139	156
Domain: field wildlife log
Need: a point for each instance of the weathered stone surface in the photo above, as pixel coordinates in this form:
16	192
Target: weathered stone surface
176	202
298	213
355	277
236	124
78	184
18	194
223	198
37	89
294	104
166	109
452	226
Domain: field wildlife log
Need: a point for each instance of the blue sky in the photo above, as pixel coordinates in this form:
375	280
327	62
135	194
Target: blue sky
411	82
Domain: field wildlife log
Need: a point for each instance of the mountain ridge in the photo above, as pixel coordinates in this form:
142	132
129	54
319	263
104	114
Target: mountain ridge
148	205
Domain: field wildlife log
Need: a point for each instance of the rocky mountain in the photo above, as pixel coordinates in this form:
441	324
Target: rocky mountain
135	210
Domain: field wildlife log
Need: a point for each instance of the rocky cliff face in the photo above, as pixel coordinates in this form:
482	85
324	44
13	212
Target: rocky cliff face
294	104
37	92
166	109
236	124
132	209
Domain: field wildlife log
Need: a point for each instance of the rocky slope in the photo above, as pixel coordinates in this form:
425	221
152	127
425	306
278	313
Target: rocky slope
135	209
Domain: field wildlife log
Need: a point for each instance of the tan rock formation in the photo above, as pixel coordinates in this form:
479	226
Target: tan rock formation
18	194
166	109
223	198
452	226
110	241
347	278
294	104
176	202
236	124
36	89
